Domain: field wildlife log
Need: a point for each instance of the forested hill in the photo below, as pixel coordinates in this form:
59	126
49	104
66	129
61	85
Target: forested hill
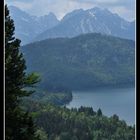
85	61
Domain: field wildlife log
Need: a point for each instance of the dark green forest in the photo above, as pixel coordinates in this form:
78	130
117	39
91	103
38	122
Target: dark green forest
29	116
60	123
86	61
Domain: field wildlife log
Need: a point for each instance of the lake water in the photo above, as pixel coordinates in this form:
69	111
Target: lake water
120	101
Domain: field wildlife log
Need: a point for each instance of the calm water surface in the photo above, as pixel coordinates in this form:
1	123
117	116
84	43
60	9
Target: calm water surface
120	101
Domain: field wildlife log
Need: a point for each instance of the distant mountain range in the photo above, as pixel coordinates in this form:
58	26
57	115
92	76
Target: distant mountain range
85	61
31	28
89	21
27	27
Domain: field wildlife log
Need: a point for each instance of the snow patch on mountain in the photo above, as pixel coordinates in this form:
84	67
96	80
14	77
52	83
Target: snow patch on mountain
92	14
82	26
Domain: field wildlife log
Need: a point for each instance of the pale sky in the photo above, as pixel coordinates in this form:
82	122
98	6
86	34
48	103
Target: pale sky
124	8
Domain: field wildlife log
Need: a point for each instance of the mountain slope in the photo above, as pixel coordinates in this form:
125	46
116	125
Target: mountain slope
85	61
28	27
89	21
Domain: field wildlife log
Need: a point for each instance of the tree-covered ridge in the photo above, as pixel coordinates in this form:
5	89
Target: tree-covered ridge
85	61
61	123
60	98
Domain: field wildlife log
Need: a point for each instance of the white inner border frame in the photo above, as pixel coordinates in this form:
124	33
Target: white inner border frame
135	73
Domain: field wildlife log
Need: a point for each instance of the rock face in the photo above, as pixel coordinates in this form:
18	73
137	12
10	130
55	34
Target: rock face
85	61
94	20
28	27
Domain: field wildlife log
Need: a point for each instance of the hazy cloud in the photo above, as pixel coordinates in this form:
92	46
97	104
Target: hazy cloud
126	13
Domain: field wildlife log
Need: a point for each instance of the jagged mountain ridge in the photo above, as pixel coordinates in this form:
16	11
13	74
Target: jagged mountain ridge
28	27
31	28
89	21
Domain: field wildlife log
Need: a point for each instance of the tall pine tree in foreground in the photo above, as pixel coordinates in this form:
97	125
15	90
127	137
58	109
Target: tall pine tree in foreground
18	124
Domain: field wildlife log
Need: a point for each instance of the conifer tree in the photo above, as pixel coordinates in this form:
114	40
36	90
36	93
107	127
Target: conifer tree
99	112
18	124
